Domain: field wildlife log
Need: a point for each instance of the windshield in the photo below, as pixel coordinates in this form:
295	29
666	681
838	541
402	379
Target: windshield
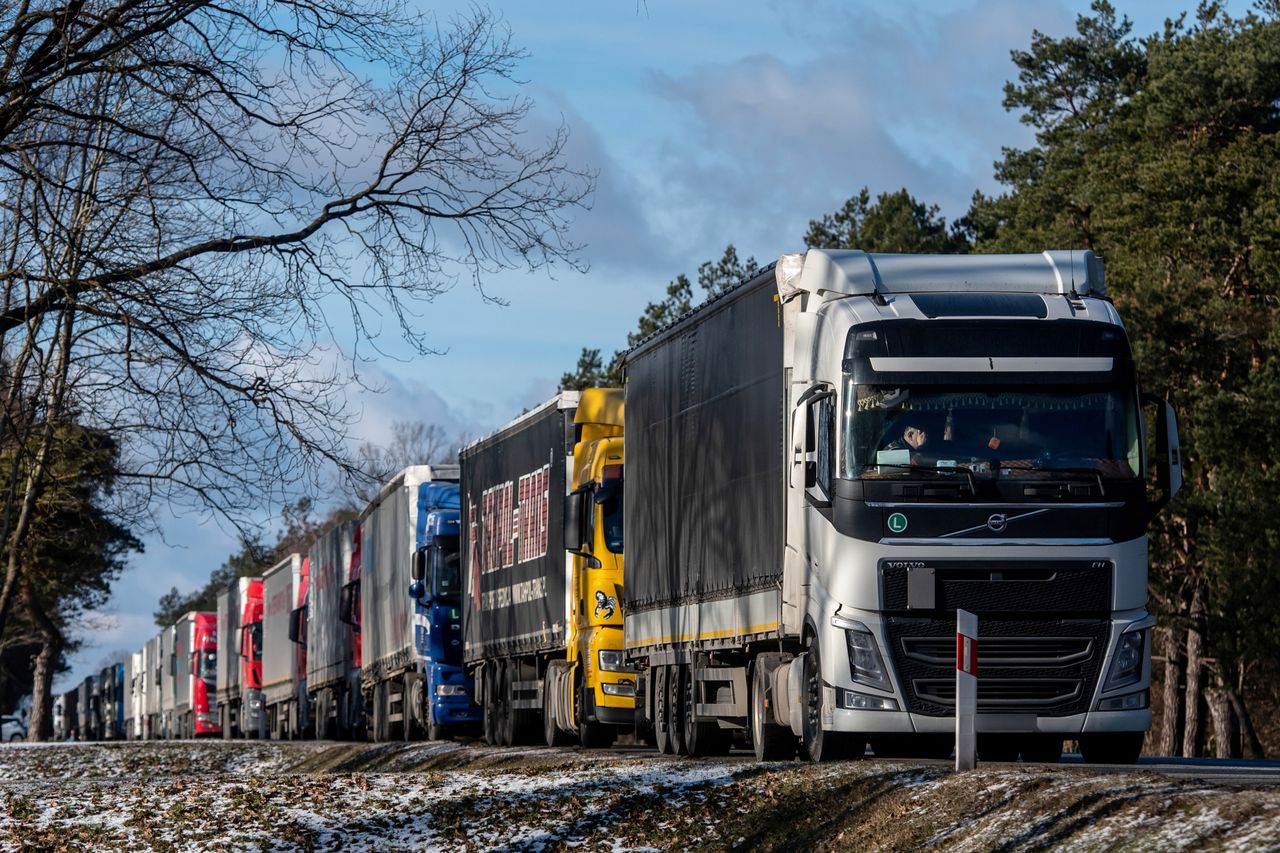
208	664
897	431
446	578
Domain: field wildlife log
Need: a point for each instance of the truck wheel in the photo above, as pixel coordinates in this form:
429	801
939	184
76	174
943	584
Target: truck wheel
770	741
823	745
661	734
490	709
380	734
411	708
1111	747
323	723
675	709
551	733
699	736
506	719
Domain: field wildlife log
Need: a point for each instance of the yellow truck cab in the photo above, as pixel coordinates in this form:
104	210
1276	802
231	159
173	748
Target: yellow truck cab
605	685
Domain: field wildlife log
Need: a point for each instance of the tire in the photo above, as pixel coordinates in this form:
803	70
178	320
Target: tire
490	717
661	733
323	723
700	737
551	733
411	702
770	741
823	745
381	728
505	718
1112	747
675	710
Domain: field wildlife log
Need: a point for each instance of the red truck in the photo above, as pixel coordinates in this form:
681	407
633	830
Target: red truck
240	658
195	661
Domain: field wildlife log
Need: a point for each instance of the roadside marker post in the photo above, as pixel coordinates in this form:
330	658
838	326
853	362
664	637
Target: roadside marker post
966	689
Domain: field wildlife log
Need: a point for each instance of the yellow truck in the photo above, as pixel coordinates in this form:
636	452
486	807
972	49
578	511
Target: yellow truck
542	582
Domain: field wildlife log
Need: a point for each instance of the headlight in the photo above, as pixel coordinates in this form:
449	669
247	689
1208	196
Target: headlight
865	663
451	690
612	660
1126	667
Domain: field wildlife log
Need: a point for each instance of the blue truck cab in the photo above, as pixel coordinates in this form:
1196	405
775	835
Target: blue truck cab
437	623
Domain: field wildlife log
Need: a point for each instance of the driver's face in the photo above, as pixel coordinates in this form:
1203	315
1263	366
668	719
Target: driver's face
914	437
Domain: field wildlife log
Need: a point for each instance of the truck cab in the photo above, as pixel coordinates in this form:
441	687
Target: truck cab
437	621
967	433
252	716
593	536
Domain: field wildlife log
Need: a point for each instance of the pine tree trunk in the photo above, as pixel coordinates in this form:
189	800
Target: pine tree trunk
1171	721
1193	733
1252	744
1224	734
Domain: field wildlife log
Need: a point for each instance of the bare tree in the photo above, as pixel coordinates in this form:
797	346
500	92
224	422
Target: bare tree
209	210
412	443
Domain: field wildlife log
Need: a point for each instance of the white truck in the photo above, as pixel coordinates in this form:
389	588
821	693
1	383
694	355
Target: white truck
829	460
284	663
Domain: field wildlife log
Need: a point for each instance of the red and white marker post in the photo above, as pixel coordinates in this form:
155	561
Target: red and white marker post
966	689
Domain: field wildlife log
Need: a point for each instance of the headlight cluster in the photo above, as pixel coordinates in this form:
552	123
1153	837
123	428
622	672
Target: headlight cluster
613	660
865	664
451	690
1126	666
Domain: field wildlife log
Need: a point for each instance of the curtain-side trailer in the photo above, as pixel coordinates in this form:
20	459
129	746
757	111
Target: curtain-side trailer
284	689
541	518
831	459
333	605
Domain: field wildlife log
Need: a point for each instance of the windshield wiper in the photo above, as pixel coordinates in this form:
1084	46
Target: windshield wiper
953	469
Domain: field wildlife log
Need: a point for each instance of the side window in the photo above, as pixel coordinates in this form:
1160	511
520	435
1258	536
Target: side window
822	422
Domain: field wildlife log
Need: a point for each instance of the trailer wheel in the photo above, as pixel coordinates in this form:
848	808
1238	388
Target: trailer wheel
699	736
506	718
322	722
380	725
661	734
770	741
823	745
675	709
490	709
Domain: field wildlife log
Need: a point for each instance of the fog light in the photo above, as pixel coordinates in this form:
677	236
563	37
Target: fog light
622	688
451	690
855	701
1130	702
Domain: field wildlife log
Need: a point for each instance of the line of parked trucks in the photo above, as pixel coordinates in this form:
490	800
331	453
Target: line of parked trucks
822	465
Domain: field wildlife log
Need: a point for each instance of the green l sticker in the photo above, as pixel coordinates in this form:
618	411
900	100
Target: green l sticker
897	523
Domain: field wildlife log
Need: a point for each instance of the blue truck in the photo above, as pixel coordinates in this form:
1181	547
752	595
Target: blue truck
437	623
410	619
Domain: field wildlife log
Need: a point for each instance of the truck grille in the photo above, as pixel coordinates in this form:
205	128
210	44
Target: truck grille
1039	666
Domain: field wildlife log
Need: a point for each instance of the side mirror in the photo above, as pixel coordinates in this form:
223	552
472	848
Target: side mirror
573	522
297	618
417	589
1168	453
418	569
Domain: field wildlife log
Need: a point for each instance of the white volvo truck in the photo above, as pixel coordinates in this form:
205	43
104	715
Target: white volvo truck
830	459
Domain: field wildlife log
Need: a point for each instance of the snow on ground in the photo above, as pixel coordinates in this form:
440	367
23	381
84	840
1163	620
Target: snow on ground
272	796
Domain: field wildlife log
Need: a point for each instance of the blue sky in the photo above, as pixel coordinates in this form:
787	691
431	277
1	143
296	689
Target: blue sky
710	123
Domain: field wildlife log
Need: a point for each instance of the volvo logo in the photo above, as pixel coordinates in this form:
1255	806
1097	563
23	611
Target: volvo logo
997	522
